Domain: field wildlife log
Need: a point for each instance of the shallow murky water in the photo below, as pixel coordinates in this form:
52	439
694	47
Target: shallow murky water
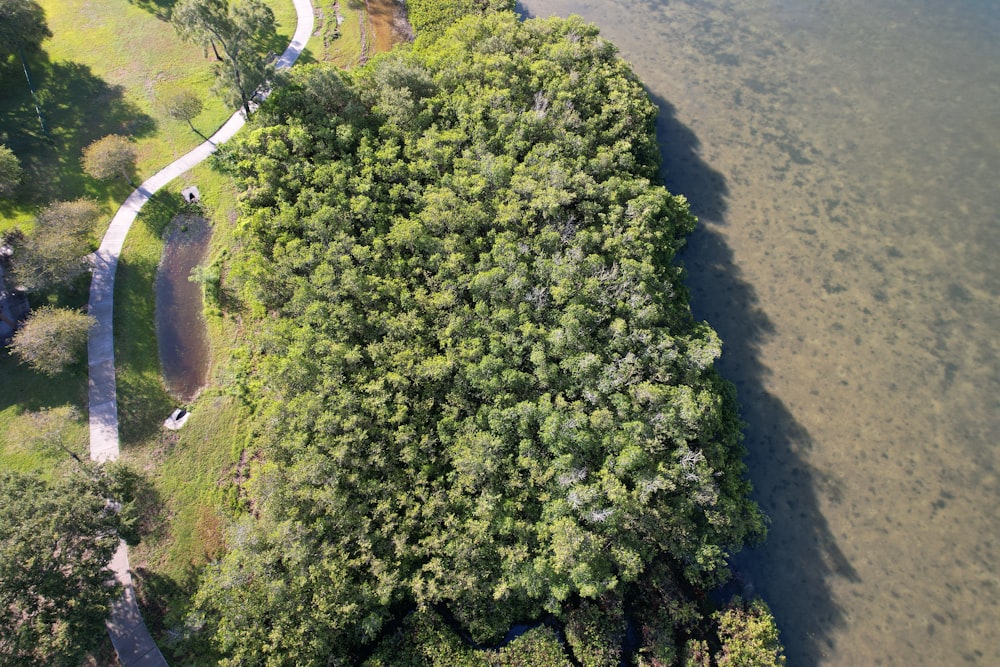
388	21
843	158
180	321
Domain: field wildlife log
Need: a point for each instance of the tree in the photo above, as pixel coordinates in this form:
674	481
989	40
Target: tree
432	17
51	339
22	26
110	156
477	384
10	171
242	30
56	540
54	253
184	105
22	29
749	635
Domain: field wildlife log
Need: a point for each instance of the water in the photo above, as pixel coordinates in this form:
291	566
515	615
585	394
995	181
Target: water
388	21
843	158
180	322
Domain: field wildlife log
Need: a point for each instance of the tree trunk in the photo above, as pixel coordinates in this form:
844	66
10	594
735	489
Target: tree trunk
196	130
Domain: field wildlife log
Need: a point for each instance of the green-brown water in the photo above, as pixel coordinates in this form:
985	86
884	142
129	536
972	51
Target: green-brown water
844	158
180	323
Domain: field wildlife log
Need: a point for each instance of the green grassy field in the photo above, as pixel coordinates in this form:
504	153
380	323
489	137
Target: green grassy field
24	390
339	45
108	68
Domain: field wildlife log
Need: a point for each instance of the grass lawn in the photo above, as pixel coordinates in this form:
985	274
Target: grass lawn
338	44
23	391
108	68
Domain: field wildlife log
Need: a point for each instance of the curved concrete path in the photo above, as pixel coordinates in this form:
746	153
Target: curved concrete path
128	633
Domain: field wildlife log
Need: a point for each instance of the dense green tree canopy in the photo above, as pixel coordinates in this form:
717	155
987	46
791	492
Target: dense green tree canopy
10	171
22	26
52	339
478	383
56	540
109	157
749	636
432	17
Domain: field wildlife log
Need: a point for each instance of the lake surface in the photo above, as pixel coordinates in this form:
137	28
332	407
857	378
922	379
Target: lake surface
180	320
843	158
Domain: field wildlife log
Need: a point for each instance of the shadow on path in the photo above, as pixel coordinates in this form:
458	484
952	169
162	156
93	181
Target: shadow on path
791	570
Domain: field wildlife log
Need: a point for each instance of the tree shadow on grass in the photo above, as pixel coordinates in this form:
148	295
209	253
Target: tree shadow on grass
165	602
161	9
32	390
793	568
78	108
162	598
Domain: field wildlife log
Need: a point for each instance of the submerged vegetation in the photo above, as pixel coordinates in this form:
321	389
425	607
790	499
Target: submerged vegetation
479	396
476	423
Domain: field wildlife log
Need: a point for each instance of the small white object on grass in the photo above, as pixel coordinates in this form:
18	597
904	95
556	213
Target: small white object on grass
177	419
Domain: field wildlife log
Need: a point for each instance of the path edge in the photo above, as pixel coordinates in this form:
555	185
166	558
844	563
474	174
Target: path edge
129	635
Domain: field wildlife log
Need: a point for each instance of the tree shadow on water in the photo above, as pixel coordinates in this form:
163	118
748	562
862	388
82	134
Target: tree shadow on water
793	569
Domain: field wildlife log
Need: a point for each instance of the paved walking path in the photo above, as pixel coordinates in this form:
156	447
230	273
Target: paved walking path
128	633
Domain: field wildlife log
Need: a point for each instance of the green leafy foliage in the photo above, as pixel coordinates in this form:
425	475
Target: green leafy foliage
595	630
242	30
184	105
663	613
696	654
22	26
10	171
56	540
109	157
478	383
432	17
51	339
749	636
425	640
55	252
